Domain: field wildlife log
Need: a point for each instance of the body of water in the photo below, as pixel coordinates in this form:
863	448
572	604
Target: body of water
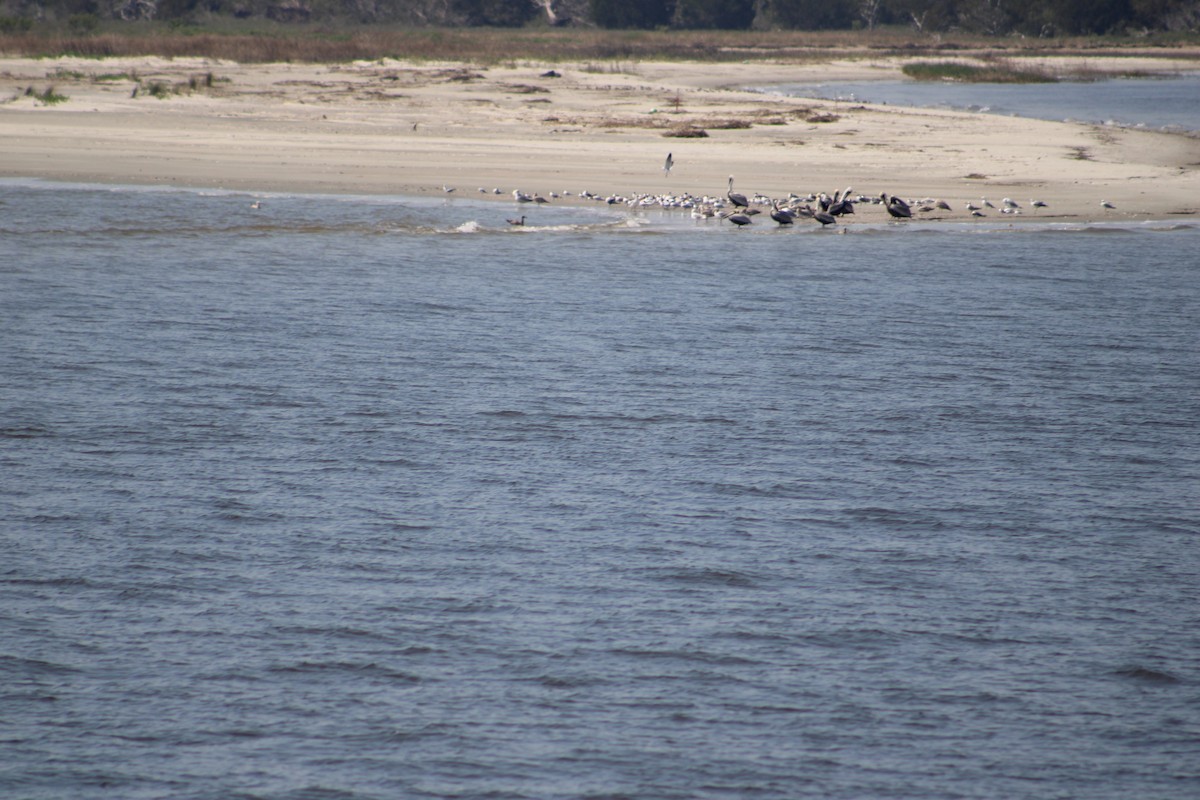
383	498
1167	104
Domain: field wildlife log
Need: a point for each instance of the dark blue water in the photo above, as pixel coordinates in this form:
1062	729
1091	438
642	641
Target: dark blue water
380	498
1170	103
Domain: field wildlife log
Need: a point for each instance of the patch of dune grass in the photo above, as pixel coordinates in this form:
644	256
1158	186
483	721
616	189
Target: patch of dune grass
49	96
995	72
332	40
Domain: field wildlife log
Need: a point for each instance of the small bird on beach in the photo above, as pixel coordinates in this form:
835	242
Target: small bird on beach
670	162
1106	204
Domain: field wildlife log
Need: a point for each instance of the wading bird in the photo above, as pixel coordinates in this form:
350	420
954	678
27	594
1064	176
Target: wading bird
782	216
739	200
896	207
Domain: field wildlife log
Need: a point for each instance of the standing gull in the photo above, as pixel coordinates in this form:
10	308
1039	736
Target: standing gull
670	162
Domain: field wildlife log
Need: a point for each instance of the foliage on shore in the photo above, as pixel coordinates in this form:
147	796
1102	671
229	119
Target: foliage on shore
271	43
1034	18
992	72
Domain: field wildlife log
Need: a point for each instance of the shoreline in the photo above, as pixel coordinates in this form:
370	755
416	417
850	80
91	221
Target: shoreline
391	127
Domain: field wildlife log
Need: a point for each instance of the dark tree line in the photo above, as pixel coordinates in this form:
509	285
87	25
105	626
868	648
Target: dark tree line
991	17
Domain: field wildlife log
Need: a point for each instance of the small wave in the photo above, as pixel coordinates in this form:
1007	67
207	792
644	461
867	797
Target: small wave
32	666
370	669
707	576
56	582
24	432
1146	675
566	682
698	656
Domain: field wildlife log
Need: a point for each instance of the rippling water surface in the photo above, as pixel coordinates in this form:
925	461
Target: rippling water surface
1168	103
381	498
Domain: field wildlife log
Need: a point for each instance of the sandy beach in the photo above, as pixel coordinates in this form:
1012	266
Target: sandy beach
400	128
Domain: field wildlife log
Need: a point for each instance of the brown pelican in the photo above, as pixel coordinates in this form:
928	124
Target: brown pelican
520	221
841	204
738	200
782	216
824	217
896	207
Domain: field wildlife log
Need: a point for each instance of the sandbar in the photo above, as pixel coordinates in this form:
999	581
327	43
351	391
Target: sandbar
393	127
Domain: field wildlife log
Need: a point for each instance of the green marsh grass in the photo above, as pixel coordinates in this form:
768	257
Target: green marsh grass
261	41
991	72
257	41
49	96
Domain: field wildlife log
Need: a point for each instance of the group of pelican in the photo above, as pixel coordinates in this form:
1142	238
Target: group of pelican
828	208
786	211
739	210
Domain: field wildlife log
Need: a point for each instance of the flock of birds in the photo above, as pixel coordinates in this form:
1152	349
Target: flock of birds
740	210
